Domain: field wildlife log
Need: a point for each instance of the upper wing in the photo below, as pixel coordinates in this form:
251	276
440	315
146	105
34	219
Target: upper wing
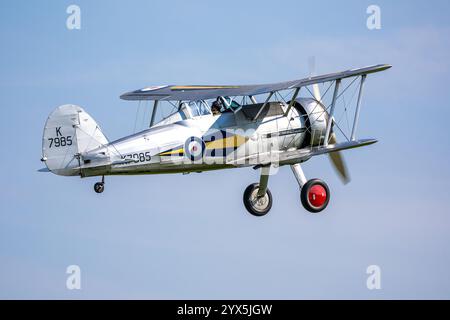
204	92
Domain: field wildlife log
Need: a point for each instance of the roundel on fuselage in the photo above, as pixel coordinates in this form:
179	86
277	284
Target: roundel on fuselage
194	148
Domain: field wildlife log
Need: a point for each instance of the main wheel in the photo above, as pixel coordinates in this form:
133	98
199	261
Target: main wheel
315	195
99	187
257	206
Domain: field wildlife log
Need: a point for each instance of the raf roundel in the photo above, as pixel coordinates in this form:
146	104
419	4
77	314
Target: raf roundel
152	88
194	148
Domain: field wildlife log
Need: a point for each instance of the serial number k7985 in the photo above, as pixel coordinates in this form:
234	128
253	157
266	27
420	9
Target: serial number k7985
138	157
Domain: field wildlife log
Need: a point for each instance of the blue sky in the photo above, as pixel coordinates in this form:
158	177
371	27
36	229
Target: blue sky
171	236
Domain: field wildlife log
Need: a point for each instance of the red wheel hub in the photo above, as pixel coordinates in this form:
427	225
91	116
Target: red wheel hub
317	195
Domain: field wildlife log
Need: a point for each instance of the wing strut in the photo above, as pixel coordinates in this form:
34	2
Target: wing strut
358	104
330	119
292	101
155	107
263	106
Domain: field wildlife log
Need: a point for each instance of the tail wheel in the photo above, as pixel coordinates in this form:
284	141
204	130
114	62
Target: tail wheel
315	195
99	187
257	206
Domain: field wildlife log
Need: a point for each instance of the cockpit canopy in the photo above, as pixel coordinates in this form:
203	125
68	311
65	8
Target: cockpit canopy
203	107
198	108
230	104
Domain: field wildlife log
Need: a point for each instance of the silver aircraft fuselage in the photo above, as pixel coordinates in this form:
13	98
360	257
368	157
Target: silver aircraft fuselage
210	142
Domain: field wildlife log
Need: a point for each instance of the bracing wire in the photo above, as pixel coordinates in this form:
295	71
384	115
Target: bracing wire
137	115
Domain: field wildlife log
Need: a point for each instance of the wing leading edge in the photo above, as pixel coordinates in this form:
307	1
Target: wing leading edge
298	155
204	92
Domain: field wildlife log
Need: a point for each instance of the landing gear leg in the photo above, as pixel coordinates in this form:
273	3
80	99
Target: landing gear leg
314	193
299	175
99	187
257	197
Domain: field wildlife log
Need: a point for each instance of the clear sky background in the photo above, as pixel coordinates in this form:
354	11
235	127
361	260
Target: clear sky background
176	236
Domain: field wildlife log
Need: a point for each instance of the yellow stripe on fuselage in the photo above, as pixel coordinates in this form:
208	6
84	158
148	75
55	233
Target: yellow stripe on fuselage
230	142
168	153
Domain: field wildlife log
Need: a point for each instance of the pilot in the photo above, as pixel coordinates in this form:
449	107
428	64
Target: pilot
216	106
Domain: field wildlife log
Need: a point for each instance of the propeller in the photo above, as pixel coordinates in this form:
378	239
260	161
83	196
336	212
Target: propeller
336	158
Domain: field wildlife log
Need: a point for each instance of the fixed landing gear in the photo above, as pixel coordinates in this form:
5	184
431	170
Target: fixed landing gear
257	205
257	197
314	193
99	187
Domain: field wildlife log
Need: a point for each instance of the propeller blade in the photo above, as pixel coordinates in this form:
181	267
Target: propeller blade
336	157
338	162
312	72
316	92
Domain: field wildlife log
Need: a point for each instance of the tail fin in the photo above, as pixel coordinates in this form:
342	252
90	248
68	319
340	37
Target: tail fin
69	131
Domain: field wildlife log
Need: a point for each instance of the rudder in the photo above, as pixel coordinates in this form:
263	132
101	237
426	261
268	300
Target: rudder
69	132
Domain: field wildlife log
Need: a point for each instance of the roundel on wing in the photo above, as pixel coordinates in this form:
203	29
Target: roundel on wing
194	148
152	88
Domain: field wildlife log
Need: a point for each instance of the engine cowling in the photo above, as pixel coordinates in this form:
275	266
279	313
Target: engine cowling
315	119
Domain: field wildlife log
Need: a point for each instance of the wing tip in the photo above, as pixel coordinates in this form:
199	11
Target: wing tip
385	66
127	95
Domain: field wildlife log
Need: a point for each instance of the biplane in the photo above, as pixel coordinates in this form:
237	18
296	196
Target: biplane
214	127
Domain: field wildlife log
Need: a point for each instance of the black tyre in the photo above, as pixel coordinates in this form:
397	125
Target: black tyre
257	206
315	195
99	187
